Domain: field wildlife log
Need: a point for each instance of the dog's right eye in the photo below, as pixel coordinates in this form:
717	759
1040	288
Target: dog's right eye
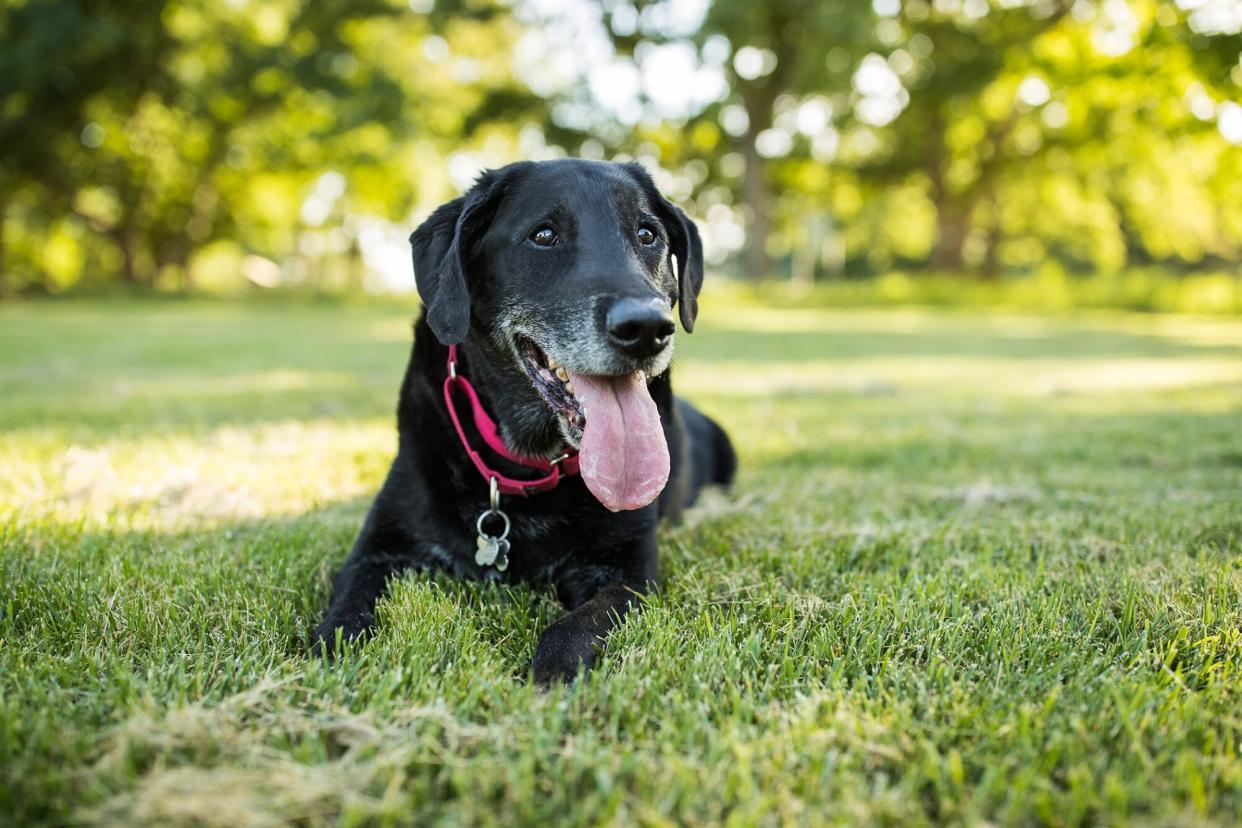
544	236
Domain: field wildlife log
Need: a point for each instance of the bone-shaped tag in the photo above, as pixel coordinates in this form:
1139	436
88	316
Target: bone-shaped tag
488	549
492	551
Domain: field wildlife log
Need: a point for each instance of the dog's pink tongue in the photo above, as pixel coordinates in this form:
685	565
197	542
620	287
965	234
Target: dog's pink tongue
624	457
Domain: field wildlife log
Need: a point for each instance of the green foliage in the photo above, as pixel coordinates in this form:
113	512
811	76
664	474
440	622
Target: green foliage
185	124
1012	133
180	143
976	570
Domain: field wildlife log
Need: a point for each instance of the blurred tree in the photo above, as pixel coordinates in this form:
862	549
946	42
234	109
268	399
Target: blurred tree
950	55
962	135
781	48
1036	130
57	57
161	129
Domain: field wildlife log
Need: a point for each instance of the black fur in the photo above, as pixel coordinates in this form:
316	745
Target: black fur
483	280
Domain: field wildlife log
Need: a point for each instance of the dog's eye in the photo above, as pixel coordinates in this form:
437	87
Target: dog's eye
544	237
646	236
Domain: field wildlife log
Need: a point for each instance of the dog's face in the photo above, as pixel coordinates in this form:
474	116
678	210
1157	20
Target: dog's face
569	269
565	274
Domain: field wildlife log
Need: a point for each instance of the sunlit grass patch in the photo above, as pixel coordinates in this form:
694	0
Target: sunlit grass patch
231	473
974	569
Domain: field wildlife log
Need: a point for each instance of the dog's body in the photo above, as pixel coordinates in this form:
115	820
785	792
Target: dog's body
518	308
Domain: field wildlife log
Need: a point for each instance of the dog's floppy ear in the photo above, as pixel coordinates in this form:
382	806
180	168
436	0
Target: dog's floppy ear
684	243
440	249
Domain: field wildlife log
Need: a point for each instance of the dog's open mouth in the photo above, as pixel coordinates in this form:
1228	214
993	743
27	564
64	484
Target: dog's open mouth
622	452
552	382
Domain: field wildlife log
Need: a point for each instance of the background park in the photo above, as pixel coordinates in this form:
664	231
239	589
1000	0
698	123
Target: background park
973	316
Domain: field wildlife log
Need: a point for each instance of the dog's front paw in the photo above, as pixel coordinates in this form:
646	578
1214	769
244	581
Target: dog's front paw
565	650
334	633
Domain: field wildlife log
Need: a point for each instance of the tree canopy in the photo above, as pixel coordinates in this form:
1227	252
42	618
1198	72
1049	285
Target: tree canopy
183	143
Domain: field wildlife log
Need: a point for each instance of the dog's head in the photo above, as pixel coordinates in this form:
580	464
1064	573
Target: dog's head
570	271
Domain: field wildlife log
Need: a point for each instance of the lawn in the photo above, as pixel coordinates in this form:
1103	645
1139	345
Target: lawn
974	569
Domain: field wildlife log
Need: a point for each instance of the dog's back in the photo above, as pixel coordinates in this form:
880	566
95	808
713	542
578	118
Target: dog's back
712	458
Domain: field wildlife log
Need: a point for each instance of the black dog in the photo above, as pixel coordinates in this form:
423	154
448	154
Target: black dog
554	282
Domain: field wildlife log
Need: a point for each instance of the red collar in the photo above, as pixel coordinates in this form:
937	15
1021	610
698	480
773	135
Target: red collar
564	466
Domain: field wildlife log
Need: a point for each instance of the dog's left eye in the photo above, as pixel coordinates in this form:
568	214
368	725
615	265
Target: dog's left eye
544	237
646	236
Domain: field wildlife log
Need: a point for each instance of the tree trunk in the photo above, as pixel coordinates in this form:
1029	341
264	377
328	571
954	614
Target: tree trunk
356	269
174	253
755	191
8	285
806	256
129	267
952	225
991	257
952	218
759	100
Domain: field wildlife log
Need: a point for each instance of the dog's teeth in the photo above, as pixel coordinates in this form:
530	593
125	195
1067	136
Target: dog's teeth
561	373
569	388
553	364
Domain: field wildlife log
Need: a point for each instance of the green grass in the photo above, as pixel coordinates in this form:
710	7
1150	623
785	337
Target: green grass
1049	289
975	569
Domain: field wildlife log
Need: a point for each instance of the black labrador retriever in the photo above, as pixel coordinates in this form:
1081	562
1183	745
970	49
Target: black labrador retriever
539	438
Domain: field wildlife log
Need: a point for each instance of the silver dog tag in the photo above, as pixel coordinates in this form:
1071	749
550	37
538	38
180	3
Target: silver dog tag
488	549
502	555
492	550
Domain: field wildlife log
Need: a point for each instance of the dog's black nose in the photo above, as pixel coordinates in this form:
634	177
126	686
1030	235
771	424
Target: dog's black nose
639	327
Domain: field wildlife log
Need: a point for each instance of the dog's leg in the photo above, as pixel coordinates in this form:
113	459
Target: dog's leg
571	644
598	600
357	587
